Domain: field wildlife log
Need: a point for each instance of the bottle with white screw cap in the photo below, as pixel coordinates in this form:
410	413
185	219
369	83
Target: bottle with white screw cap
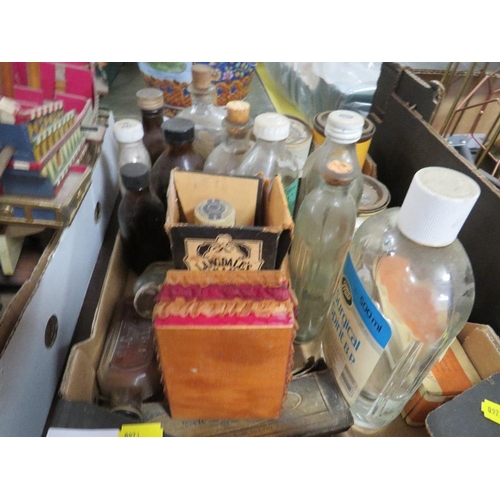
270	156
343	130
406	291
129	134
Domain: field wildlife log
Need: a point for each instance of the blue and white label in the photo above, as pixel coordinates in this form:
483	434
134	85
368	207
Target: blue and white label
357	334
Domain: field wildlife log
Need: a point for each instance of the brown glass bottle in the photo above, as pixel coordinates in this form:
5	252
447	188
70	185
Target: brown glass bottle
141	218
179	135
128	371
150	102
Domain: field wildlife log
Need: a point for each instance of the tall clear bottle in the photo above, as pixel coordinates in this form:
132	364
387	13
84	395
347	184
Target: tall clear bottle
129	134
270	156
203	112
228	155
179	135
323	231
343	129
406	291
150	102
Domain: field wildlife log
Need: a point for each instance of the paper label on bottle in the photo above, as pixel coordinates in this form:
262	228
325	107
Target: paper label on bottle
291	195
358	334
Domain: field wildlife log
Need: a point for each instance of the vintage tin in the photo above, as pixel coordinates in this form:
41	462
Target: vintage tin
374	199
300	138
362	145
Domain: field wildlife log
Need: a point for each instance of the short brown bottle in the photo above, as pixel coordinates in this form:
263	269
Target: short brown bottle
141	218
150	102
179	135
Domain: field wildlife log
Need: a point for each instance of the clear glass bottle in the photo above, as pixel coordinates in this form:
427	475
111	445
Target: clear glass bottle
228	155
179	135
141	219
203	111
406	292
128	372
343	129
323	231
270	156
129	134
150	102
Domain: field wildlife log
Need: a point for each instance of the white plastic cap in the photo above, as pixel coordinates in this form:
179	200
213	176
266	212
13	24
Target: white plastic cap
436	206
271	127
344	126
128	130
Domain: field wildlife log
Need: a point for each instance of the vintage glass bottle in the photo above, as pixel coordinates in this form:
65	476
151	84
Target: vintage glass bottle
128	372
342	131
406	291
179	135
323	231
228	155
150	102
141	218
203	112
129	134
270	156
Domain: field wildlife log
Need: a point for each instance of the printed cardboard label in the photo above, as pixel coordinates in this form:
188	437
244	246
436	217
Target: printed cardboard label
223	254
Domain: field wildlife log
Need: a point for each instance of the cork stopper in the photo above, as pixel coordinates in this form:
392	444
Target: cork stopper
202	76
149	99
338	173
238	112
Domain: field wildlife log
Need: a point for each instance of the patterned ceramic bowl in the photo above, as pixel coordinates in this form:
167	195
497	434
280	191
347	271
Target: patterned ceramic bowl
232	81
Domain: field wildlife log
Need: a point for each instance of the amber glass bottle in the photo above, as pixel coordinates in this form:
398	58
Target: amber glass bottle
150	102
141	218
179	136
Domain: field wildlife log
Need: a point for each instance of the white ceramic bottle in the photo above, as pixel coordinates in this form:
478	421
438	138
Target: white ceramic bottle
406	292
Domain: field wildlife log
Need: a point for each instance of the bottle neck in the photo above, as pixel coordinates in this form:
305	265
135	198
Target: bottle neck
176	149
152	119
237	134
271	145
135	194
202	100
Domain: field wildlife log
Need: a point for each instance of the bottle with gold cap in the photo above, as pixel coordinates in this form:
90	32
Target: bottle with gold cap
150	102
228	155
203	112
323	231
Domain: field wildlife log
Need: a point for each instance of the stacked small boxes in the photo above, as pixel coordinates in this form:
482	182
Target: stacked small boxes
46	143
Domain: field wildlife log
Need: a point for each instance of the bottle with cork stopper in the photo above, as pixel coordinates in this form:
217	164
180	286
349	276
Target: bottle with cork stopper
228	155
323	231
406	291
150	102
203	112
343	129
